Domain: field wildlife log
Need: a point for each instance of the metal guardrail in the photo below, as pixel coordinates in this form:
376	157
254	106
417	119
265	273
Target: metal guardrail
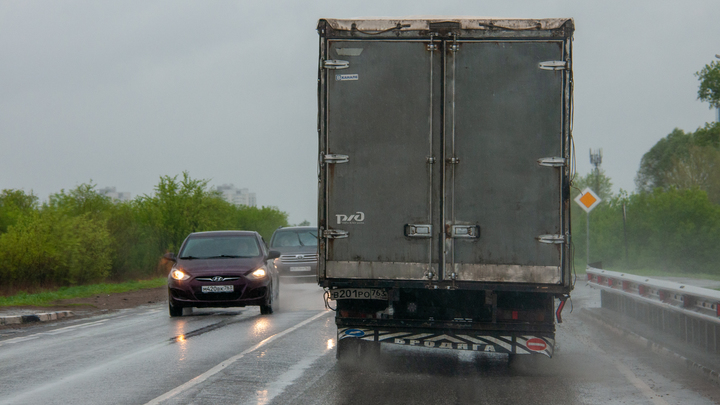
687	312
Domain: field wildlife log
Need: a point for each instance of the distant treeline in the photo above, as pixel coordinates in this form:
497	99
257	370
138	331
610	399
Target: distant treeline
674	230
672	223
80	236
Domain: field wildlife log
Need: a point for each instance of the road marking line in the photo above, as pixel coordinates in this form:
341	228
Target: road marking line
639	384
630	376
19	339
52	332
204	376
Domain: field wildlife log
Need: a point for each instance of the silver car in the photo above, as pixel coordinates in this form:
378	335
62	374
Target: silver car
298	252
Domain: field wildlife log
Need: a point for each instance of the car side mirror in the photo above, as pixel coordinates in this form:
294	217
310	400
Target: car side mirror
273	254
170	256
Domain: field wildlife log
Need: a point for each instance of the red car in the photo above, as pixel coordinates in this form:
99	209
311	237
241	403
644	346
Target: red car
223	269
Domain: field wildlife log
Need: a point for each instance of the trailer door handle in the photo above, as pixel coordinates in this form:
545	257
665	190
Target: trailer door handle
418	231
464	231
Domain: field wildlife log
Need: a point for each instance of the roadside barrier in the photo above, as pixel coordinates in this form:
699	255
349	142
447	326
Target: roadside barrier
687	312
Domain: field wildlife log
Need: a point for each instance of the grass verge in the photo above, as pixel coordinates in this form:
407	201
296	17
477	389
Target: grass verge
84	291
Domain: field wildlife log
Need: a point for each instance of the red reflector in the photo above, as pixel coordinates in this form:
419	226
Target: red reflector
717	309
514	315
536	344
589	276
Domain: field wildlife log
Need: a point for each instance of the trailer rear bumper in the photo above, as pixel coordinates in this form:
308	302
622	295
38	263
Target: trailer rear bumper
478	341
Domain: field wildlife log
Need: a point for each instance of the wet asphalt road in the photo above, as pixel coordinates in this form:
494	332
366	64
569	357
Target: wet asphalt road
237	356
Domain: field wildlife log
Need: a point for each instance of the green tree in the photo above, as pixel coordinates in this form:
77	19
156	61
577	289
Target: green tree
699	169
659	160
178	208
709	89
662	165
81	200
13	205
46	248
599	183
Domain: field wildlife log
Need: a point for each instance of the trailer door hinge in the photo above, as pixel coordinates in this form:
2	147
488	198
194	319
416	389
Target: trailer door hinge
551	239
553	65
335	158
335	64
552	162
335	234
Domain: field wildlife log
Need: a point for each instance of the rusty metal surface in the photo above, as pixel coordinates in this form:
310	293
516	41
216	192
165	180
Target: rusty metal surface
467	23
377	270
509	273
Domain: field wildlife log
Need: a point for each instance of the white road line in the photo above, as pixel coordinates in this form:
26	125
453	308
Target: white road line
18	339
204	376
639	384
630	376
53	332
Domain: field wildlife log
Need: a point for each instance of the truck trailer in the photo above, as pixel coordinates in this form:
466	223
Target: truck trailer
445	166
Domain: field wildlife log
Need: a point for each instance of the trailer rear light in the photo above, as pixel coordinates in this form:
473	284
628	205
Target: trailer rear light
514	315
561	306
590	276
717	309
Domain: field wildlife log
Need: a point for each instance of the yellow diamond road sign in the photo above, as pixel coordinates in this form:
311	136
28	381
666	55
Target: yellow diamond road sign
588	200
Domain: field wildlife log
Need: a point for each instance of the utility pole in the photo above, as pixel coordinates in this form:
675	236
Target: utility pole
595	160
717	110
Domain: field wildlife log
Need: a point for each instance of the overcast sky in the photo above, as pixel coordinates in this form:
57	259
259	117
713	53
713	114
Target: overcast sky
123	92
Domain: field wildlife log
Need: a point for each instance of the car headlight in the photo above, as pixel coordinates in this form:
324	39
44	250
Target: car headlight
258	274
179	275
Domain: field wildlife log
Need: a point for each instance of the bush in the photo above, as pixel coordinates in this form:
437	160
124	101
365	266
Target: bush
81	236
50	248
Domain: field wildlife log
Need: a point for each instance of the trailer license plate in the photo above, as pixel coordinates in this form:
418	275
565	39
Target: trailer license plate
358	294
217	288
300	268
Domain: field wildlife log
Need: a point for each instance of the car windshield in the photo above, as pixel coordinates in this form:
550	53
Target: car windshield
220	246
294	238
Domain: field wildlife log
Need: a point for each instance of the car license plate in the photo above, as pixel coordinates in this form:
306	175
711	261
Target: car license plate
358	294
300	268
217	288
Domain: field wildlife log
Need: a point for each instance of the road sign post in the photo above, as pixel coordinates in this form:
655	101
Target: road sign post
587	200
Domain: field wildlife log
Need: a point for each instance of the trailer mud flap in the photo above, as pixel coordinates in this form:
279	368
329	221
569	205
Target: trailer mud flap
471	341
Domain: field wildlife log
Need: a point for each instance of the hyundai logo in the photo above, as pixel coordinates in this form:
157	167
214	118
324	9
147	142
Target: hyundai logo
218	278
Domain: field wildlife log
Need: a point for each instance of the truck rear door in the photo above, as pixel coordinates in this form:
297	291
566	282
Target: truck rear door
382	120
430	160
504	113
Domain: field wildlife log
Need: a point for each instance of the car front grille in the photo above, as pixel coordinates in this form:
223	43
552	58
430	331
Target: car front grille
219	296
218	280
299	258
